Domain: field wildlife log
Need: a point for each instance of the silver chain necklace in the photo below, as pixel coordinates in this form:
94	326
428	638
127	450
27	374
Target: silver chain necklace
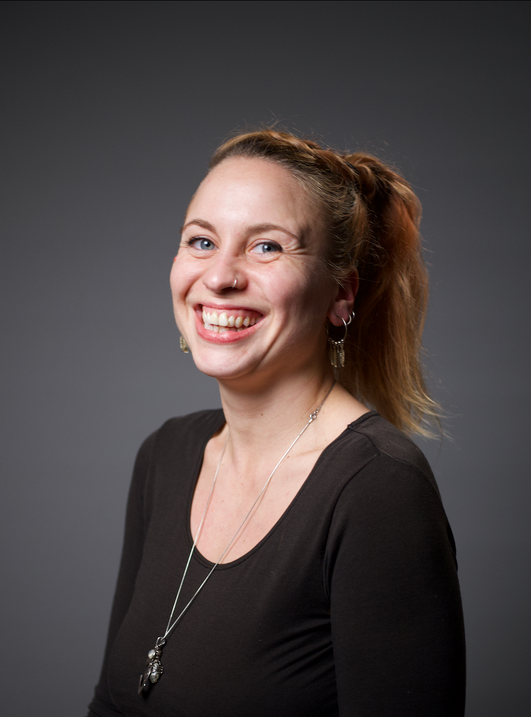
154	668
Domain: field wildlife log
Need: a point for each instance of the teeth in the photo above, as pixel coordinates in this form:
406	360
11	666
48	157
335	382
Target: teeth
220	323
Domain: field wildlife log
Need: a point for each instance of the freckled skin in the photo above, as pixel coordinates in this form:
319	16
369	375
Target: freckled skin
280	272
252	243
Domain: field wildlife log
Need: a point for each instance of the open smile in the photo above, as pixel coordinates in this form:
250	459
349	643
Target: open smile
232	321
222	320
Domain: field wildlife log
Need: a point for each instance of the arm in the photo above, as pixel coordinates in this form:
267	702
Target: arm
396	614
102	704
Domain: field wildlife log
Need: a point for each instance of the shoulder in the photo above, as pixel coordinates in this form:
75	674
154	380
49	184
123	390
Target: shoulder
183	430
389	497
373	446
381	475
173	451
388	440
193	423
178	440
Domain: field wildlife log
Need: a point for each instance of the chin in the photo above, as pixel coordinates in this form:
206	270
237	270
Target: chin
221	364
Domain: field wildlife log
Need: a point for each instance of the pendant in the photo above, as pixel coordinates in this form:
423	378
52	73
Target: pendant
154	667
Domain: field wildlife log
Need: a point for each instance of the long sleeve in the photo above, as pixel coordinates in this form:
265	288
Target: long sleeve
349	606
135	525
396	618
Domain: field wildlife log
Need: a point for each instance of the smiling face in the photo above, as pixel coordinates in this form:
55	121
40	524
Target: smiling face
252	222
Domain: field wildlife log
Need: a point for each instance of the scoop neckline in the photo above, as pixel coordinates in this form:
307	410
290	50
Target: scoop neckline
197	555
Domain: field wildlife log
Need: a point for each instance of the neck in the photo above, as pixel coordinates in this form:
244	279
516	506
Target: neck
272	413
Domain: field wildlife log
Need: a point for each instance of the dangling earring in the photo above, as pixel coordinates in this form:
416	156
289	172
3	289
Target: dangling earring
336	349
183	345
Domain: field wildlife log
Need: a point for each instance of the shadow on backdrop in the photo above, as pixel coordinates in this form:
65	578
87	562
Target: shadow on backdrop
111	112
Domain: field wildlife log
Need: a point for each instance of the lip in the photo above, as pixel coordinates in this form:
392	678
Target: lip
230	336
235	308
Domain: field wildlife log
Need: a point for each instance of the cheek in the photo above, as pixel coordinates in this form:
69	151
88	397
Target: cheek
177	285
303	303
311	290
182	274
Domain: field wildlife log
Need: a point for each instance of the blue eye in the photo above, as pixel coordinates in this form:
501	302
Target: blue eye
202	243
267	247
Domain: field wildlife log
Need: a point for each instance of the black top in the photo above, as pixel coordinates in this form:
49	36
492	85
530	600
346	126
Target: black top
349	606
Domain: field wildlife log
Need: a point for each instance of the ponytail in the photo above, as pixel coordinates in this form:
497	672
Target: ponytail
384	344
372	216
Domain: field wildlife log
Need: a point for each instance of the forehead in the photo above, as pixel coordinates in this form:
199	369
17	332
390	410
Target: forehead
253	190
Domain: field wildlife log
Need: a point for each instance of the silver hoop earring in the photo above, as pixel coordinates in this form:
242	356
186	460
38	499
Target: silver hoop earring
336	348
184	346
351	318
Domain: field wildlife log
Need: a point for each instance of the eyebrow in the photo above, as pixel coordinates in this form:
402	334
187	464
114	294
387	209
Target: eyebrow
199	222
253	229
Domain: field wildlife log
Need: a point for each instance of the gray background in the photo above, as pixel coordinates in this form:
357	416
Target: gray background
110	111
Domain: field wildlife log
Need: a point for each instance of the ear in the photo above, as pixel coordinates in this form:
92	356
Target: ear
342	304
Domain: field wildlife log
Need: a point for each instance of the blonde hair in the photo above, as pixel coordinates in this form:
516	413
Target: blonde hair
371	216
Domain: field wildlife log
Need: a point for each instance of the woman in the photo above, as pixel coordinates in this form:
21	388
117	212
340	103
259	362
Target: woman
322	579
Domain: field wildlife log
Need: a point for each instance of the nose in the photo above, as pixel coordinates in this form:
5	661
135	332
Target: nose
224	273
